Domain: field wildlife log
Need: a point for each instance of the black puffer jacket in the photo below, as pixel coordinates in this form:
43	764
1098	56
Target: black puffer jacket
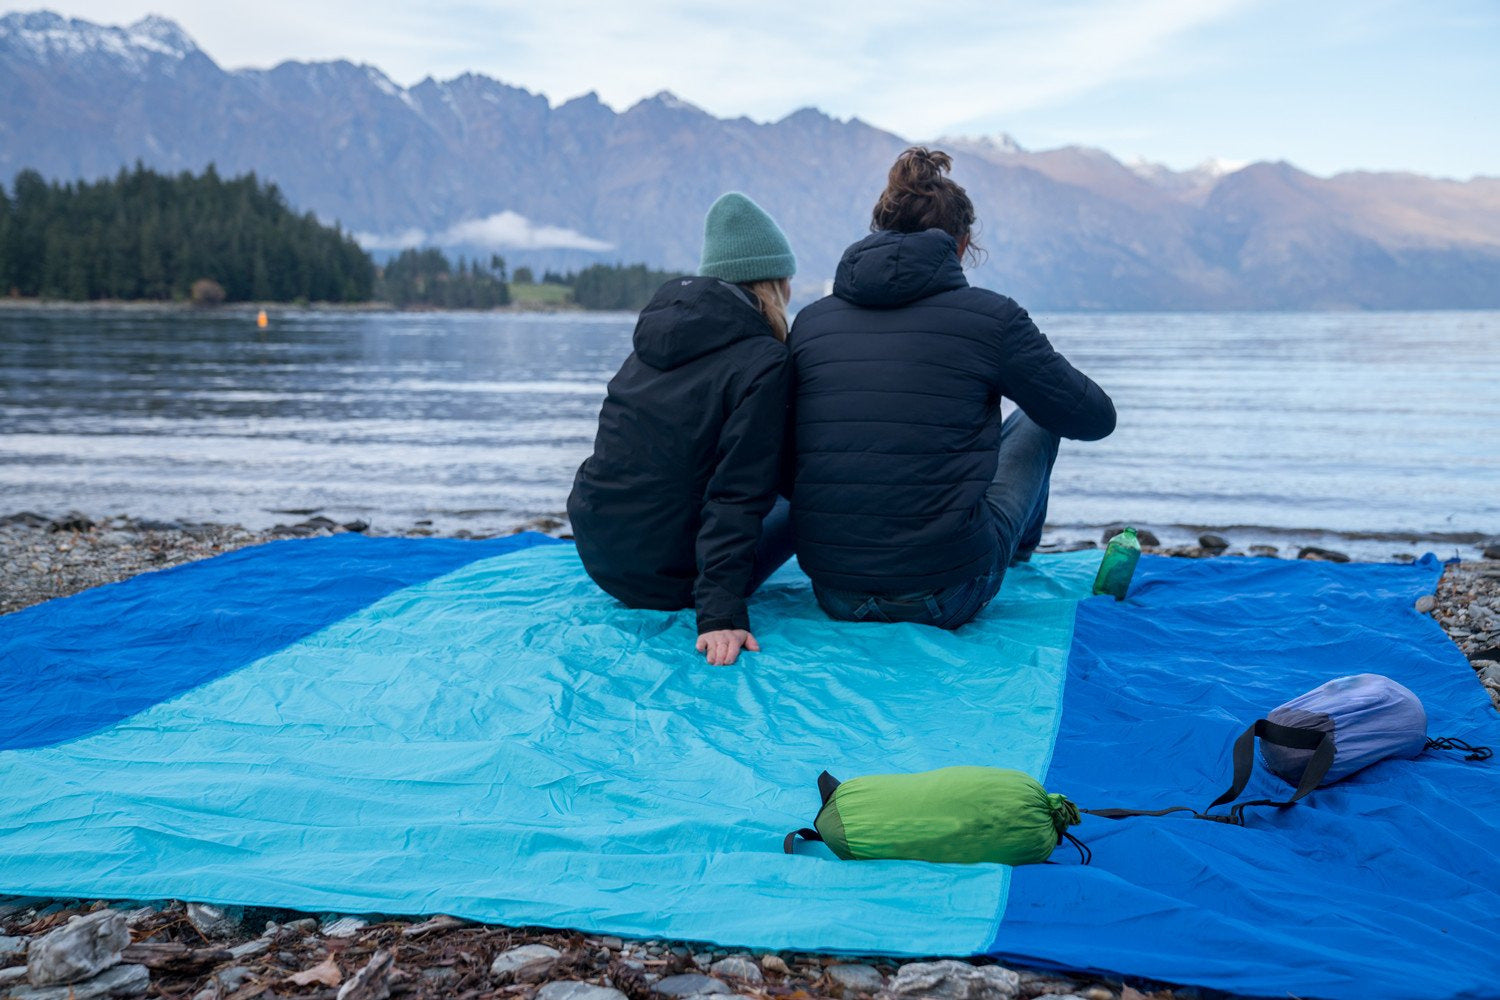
898	379
668	509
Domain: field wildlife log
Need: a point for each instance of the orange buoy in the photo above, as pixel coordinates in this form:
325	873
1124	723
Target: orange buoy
261	320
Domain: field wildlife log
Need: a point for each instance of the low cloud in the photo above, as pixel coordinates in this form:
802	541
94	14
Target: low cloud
513	230
501	231
391	241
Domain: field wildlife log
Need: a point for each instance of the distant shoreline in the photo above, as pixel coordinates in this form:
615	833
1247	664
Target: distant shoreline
231	308
538	308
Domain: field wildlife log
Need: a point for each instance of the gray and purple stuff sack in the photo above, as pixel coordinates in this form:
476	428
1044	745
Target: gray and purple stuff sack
1321	737
1367	716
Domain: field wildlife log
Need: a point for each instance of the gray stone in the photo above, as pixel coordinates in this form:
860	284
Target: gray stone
1059	996
80	948
304	925
439	974
1491	549
344	927
527	964
951	980
1143	535
14	974
737	967
142	914
71	521
689	984
216	922
120	981
1489	672
612	943
568	990
1046	984
117	538
232	978
1209	540
13	948
703	960
855	978
1319	554
775	963
1425	604
11	905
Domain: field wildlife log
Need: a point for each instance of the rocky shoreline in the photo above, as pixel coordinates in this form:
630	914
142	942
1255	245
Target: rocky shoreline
56	949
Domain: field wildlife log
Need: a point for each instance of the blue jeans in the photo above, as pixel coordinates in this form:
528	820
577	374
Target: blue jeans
776	545
1017	502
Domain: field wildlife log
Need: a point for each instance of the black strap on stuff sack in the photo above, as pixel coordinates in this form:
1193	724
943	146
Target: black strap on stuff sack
1291	737
826	785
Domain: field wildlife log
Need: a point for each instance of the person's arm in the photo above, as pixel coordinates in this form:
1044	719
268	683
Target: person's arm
1047	388
740	492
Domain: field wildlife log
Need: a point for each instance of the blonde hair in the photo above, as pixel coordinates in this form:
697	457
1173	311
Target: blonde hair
769	293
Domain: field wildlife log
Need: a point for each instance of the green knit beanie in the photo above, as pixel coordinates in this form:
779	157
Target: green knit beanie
742	243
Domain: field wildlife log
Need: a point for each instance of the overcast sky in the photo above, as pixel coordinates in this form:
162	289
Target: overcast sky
1327	84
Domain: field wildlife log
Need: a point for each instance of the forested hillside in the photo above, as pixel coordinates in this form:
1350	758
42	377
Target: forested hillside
144	235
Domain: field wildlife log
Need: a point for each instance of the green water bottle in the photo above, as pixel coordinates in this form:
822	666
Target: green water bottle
1118	565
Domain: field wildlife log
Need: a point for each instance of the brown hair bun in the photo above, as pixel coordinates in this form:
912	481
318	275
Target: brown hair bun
919	196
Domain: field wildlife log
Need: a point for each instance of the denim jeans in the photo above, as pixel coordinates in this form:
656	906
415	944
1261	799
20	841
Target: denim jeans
1017	502
776	545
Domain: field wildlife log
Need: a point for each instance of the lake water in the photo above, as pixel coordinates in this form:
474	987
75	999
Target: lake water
1279	427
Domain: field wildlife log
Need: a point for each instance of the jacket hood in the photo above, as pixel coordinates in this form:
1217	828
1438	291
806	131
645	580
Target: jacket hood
888	269
690	317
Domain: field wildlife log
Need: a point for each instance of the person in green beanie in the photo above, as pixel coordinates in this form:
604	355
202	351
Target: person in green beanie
677	506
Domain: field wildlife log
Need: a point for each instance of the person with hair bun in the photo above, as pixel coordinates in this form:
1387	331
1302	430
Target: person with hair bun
674	509
911	495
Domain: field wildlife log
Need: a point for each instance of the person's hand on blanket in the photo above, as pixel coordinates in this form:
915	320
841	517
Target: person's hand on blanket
722	647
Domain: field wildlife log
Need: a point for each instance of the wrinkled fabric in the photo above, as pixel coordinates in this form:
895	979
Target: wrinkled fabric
505	743
73	666
1384	885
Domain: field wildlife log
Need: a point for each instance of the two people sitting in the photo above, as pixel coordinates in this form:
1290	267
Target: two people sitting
867	439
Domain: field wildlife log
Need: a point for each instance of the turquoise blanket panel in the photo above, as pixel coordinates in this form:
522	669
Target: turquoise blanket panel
505	743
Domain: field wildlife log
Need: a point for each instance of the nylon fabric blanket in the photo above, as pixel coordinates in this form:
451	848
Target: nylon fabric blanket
418	725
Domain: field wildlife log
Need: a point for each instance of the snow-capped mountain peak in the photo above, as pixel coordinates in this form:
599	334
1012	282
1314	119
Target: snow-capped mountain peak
999	145
47	37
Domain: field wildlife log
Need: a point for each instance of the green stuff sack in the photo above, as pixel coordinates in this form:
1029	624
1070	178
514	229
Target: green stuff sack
954	815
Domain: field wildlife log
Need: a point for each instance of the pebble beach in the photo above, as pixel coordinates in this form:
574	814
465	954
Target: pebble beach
62	948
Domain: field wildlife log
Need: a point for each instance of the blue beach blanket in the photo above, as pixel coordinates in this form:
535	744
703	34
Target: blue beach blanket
417	725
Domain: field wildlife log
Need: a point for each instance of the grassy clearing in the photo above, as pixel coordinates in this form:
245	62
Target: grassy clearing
540	295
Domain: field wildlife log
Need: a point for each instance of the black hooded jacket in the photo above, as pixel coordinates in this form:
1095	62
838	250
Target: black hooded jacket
898	380
668	509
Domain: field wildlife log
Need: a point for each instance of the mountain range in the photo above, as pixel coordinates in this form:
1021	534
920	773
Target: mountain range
475	163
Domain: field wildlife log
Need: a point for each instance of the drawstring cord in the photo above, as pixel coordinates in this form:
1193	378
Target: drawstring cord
1085	856
1453	743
